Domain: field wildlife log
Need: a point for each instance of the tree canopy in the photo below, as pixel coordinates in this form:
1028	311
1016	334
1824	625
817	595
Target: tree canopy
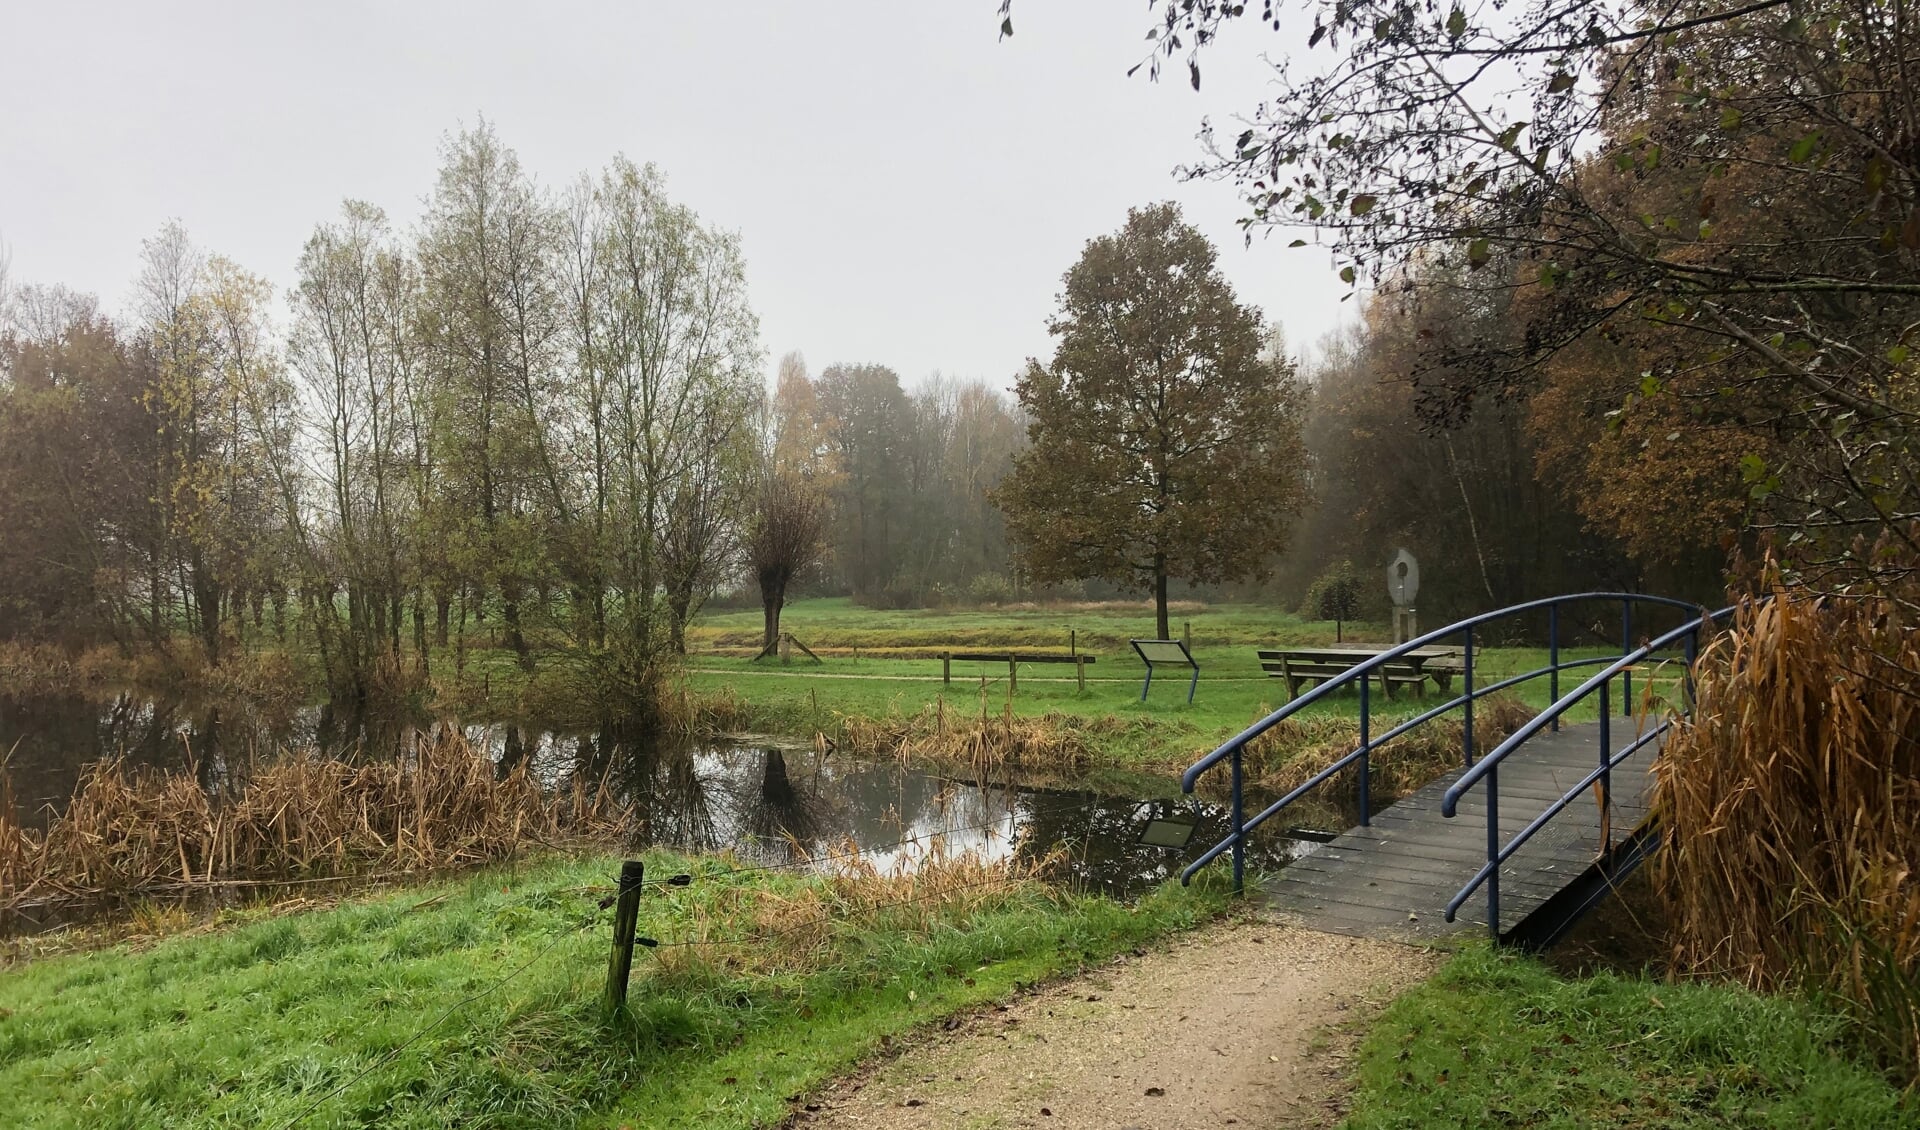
1164	440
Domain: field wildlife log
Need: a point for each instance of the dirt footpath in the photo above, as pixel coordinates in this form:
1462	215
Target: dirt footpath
1243	1024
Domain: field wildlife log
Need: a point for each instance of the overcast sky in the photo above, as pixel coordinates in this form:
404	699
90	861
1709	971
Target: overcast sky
908	187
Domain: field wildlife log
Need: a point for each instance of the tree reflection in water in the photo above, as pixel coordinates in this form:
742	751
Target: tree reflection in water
771	805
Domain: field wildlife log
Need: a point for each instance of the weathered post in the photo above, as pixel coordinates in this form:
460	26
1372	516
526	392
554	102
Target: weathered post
1080	669
1013	675
946	667
626	914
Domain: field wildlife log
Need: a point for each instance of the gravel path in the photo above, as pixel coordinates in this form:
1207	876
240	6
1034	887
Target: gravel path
1243	1024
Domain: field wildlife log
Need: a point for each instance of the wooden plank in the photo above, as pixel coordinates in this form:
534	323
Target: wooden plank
1394	878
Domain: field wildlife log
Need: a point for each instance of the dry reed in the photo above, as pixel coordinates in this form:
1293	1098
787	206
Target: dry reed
1289	754
774	929
1791	801
139	831
984	742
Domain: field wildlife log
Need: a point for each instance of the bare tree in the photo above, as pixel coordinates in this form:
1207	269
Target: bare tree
787	536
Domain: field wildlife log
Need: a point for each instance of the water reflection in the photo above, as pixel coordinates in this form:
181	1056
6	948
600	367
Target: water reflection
771	804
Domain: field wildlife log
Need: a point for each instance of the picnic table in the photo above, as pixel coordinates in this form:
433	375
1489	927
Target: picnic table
1412	669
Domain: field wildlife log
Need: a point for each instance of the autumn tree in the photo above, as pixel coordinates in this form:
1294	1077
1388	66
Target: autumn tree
1777	245
1163	444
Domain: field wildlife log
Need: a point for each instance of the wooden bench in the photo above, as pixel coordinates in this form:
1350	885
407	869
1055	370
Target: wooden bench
1318	664
1013	659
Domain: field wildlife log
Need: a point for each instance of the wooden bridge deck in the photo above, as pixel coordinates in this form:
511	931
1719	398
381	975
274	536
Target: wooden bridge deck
1394	878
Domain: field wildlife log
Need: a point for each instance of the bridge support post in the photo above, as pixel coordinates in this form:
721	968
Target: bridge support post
1466	671
1553	660
1626	648
1366	816
1606	769
1239	829
1493	852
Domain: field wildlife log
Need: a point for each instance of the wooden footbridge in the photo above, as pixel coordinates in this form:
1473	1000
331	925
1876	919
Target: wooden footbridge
1540	827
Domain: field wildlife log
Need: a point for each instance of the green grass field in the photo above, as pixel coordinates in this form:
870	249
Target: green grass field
1495	1040
258	1022
879	663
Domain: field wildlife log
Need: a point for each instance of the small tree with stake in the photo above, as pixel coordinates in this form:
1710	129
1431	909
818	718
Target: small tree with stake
1336	596
787	535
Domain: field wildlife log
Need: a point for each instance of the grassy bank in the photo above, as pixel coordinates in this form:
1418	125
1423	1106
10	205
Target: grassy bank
1496	1040
766	983
883	667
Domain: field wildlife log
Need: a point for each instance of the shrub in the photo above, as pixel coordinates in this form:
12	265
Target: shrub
990	588
1334	595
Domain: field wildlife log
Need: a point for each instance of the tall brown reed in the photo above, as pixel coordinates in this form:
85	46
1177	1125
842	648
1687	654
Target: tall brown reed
1791	802
128	831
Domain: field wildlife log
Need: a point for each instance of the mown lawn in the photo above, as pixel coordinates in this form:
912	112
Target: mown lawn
897	672
257	1023
1496	1040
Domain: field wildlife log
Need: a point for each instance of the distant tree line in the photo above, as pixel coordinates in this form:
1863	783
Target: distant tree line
538	414
539	407
908	477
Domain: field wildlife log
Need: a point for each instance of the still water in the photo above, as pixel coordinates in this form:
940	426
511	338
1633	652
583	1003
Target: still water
767	800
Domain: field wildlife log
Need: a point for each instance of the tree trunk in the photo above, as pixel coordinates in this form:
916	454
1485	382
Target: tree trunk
773	598
1160	597
442	608
678	604
420	630
510	616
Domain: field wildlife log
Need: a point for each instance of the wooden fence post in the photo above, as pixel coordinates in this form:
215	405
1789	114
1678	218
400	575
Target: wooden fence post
1080	669
1013	675
946	667
626	914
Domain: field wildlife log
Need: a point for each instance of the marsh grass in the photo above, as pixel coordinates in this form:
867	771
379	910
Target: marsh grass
129	831
1792	807
1292	752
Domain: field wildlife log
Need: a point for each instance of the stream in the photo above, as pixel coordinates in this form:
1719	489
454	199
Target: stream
769	800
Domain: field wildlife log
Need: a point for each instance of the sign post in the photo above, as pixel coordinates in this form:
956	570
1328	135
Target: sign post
1171	652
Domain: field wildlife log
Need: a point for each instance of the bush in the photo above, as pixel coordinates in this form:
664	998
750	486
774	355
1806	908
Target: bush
1334	595
990	588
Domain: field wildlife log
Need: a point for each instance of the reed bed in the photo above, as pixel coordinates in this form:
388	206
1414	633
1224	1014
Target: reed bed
772	929
1292	752
1052	742
1792	807
134	831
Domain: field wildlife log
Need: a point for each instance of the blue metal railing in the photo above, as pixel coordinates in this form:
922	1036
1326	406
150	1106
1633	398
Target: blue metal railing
1488	768
1233	749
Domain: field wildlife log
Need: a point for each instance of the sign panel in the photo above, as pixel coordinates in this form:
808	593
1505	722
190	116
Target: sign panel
1403	579
1163	651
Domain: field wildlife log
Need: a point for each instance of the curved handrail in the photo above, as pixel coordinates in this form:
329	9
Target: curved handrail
1566	702
1498	854
1368	666
1523	835
1360	672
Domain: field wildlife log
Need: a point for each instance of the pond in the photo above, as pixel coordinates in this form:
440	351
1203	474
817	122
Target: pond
770	801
